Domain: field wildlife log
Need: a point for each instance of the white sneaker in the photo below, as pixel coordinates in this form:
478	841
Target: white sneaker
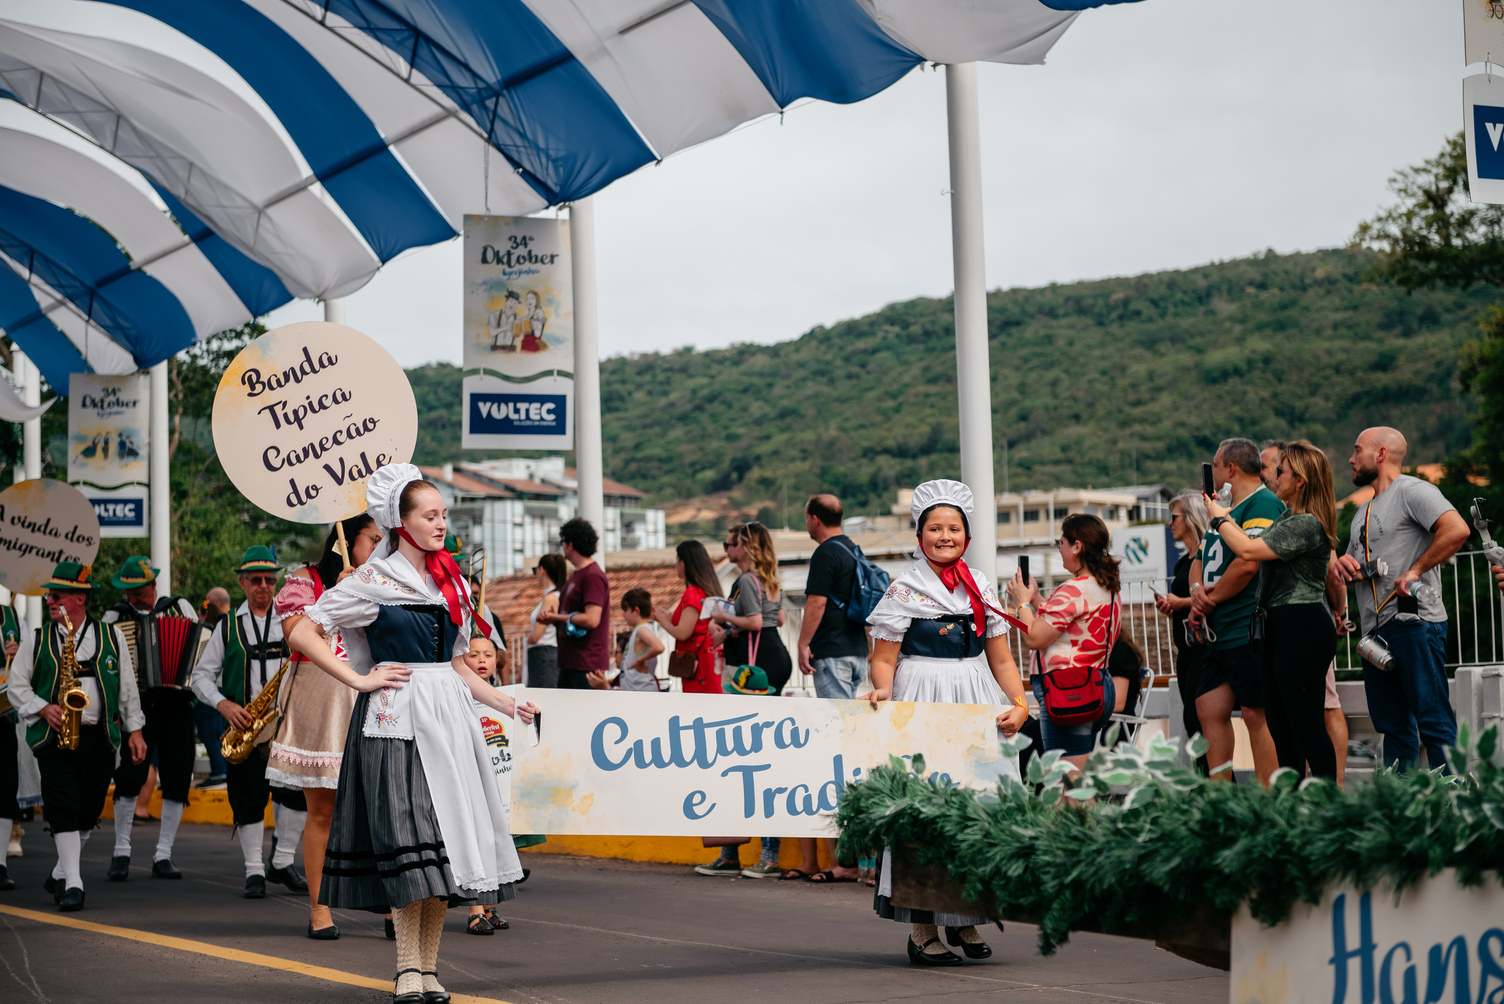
14	850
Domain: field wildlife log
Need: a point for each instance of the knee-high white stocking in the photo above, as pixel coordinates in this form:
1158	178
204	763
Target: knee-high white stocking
431	931
69	847
125	811
289	831
250	847
408	922
172	815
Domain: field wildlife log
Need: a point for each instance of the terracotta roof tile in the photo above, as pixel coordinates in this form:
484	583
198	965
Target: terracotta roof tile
462	482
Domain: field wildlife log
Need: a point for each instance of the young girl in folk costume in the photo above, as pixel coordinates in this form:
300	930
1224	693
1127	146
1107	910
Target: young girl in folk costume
315	709
418	819
938	635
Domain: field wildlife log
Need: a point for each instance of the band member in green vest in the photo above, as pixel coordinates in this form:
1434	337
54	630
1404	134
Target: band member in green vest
169	730
241	658
12	630
75	782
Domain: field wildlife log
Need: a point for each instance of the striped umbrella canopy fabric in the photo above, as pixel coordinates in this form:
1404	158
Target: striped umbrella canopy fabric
174	167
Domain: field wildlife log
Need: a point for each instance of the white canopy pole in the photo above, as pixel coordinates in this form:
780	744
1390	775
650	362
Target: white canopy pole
334	310
30	379
161	486
587	372
973	371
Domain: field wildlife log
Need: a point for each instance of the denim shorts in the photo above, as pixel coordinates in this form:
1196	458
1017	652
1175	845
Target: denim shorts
1072	740
838	676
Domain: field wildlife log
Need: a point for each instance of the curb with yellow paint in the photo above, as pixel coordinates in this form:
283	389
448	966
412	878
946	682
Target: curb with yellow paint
214	807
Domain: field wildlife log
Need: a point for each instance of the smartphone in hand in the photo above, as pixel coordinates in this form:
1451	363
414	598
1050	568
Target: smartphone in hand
1023	567
1207	484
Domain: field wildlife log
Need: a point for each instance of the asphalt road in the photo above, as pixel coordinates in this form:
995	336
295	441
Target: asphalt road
582	930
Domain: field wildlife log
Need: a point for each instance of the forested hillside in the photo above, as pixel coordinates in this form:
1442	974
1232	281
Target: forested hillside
1087	379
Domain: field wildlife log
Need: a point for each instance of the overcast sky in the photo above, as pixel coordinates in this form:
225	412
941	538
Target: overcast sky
1160	135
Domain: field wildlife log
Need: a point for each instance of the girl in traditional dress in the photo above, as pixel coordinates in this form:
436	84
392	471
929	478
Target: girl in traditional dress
938	635
418	821
315	710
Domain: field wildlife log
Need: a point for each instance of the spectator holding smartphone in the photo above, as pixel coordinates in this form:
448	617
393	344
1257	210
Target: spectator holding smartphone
1188	521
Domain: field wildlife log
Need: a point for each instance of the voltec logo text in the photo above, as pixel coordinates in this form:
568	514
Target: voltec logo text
1488	131
504	414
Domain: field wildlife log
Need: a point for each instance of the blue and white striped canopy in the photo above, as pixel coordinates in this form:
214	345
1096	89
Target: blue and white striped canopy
169	168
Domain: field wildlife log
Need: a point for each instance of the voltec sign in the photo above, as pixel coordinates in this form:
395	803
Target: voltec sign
122	512
1483	132
714	764
1362	947
518	334
43	522
305	413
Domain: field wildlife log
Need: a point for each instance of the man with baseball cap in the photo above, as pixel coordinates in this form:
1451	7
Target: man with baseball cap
169	730
75	781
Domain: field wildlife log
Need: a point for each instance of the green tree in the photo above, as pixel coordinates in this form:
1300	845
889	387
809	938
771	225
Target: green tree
1436	236
1482	372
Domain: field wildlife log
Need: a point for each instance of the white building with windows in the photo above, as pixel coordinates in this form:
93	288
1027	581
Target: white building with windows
514	508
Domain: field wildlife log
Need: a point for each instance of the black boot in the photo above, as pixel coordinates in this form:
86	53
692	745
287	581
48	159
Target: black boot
120	868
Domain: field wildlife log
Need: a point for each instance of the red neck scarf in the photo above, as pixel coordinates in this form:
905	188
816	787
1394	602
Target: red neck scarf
446	575
957	574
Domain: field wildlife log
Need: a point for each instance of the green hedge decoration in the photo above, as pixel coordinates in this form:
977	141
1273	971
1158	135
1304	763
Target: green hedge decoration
1137	831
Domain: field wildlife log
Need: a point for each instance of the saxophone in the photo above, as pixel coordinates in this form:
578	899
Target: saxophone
71	697
236	744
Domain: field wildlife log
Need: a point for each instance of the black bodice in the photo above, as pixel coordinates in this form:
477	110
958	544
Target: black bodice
412	634
952	636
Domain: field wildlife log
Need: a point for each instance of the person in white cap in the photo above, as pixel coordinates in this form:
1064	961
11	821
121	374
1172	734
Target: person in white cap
418	821
938	635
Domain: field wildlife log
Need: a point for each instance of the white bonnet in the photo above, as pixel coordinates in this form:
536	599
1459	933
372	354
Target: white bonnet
940	492
384	493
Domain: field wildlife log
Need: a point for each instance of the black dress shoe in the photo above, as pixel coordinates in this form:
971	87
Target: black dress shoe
289	876
977	950
165	869
71	901
413	998
919	957
54	886
255	887
6	882
435	996
120	868
330	933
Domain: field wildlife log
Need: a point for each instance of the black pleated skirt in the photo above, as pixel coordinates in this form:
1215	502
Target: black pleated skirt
385	849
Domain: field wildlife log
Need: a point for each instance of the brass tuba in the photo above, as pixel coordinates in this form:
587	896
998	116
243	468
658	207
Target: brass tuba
236	744
71	697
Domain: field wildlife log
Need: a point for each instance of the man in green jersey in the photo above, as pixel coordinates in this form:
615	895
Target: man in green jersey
1224	591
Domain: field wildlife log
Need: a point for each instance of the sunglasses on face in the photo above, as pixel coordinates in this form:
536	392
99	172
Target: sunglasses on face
261	580
1279	471
56	597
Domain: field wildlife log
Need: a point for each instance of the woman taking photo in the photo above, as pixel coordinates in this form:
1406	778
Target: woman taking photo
938	635
690	631
756	606
1300	637
315	709
418	820
1075	629
1188	524
543	637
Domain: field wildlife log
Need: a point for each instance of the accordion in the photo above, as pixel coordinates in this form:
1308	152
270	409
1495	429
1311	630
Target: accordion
164	649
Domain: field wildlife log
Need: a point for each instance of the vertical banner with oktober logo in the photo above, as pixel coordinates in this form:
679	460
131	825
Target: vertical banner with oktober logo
108	422
518	334
305	413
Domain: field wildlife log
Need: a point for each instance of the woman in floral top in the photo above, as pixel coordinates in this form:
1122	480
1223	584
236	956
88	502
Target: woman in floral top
1076	627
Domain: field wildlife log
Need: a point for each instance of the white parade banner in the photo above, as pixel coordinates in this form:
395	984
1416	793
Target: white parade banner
107	429
518	355
1482	31
305	413
43	522
1436	938
623	764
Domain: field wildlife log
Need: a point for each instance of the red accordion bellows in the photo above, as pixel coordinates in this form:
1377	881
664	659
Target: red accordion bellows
172	642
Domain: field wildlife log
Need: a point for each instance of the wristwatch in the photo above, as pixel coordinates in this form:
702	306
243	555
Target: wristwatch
1218	522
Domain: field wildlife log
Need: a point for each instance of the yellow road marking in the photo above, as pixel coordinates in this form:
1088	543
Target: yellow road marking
229	954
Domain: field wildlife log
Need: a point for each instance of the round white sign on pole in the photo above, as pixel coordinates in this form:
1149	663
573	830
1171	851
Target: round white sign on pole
43	522
305	413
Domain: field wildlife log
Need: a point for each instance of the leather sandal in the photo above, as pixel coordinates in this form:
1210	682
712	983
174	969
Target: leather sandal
499	923
478	924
